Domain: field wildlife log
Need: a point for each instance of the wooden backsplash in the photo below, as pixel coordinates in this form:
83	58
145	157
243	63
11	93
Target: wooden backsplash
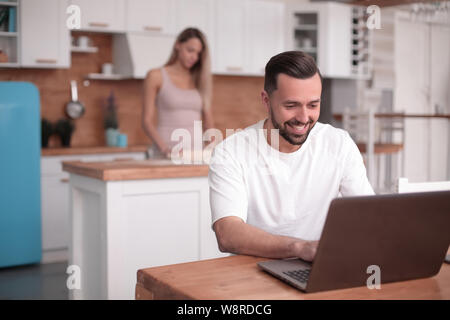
236	100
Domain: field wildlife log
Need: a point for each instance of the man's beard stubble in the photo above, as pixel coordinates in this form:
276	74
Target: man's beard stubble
293	139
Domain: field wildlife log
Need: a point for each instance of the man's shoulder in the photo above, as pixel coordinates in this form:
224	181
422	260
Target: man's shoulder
331	138
241	136
329	132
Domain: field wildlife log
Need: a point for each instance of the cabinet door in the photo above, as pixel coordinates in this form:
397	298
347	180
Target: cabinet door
45	39
265	33
102	15
150	15
198	14
323	30
230	37
195	13
55	200
440	101
55	212
150	51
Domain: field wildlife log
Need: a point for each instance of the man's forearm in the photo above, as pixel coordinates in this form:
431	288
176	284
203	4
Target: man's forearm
238	237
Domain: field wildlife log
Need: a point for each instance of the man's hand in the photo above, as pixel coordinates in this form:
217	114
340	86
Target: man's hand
306	250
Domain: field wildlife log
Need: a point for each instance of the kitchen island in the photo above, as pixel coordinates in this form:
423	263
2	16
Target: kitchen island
129	215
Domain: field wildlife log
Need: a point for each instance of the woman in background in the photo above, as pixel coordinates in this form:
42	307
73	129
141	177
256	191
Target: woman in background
181	90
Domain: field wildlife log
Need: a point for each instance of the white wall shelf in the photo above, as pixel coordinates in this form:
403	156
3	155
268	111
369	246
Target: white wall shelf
308	50
84	49
306	27
9	65
8	34
8	4
101	76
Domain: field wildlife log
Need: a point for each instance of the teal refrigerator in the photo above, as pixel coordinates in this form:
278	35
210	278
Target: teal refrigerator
20	187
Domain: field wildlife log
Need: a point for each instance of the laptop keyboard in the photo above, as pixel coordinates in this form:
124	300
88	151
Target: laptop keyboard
299	275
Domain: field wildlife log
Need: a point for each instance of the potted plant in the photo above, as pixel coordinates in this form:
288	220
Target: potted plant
46	132
110	122
64	128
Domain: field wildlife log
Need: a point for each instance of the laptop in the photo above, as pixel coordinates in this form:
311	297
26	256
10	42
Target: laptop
405	235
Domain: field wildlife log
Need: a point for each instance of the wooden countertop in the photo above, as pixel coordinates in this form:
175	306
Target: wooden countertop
91	150
381	147
238	277
338	116
135	169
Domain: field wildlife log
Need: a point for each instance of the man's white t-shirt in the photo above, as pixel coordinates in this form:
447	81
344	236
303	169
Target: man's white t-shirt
285	193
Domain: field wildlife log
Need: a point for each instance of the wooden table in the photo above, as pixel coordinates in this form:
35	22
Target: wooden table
238	277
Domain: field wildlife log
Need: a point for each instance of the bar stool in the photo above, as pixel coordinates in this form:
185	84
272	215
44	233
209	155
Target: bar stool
374	142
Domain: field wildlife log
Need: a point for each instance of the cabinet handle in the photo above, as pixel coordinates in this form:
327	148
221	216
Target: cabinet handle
99	24
234	68
123	159
64	180
152	28
46	61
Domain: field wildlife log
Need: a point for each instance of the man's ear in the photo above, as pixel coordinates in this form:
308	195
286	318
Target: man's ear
265	99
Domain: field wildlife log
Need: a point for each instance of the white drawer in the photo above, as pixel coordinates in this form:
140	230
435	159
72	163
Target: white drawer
53	165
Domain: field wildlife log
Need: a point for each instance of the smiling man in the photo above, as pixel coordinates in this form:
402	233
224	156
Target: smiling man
276	206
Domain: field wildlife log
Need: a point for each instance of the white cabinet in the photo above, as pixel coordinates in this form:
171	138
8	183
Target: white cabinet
55	201
427	140
198	14
194	13
55	206
230	37
55	212
102	15
248	33
265	33
334	34
242	34
134	54
9	34
150	16
120	227
152	27
44	38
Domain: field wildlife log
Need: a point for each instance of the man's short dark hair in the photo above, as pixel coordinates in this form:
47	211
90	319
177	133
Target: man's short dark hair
296	64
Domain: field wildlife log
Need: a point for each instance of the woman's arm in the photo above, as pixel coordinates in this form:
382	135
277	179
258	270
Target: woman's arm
152	84
208	121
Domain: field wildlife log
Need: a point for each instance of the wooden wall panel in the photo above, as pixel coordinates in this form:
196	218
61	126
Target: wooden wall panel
236	100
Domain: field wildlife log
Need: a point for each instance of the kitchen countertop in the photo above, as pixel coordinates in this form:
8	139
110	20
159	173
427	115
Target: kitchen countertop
91	150
338	116
135	169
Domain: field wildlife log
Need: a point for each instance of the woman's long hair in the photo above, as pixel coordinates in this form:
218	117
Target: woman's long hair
201	71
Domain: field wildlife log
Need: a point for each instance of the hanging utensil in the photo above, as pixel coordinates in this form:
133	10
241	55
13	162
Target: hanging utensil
74	109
